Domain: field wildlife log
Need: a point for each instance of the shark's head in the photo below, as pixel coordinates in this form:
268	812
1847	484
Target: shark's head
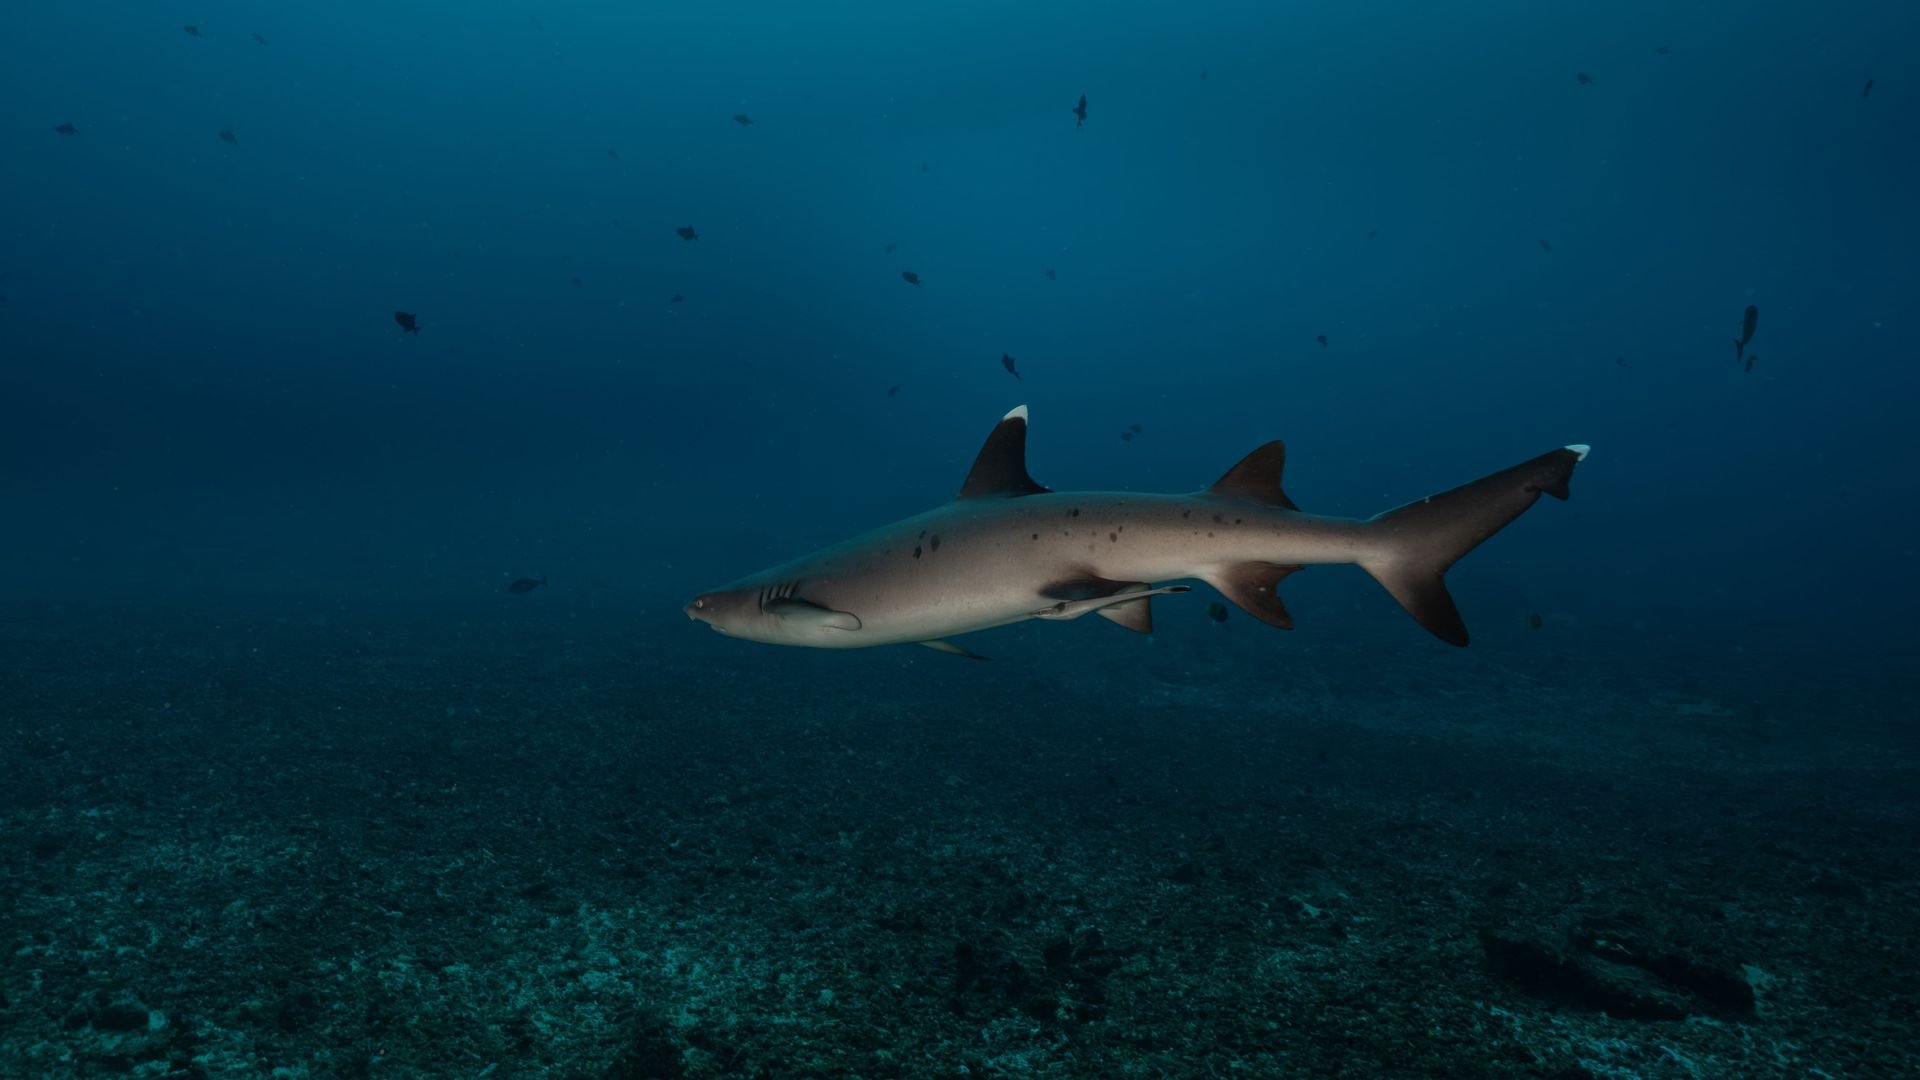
778	614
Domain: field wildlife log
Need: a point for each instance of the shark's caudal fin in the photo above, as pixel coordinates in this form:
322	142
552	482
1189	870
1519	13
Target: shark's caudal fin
1415	544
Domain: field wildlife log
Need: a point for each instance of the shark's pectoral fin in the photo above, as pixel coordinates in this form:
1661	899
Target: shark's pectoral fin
807	613
1254	587
951	649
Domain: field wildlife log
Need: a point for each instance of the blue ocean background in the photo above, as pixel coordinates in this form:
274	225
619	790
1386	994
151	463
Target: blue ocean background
211	417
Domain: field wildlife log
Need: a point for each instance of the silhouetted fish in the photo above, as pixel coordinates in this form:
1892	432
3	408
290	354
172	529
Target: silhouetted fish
1546	247
192	30
1371	234
1867	89
67	129
676	298
614	154
227	136
1007	362
576	281
743	119
1585	79
1080	111
1748	323
1051	276
1126	436
894	390
408	323
1663	50
1322	339
1534	621
1619	361
686	232
259	39
1217	611
909	277
925	167
1203	73
1750	360
526	585
892	246
1135	428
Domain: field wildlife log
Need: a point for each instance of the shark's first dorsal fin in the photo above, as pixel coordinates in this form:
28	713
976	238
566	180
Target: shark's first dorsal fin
1001	468
1257	477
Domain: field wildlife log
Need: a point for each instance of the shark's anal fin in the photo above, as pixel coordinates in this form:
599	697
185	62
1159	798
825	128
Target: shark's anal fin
951	649
1254	587
1001	468
808	613
1257	477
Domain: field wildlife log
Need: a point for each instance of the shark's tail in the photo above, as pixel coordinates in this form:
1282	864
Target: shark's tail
1418	542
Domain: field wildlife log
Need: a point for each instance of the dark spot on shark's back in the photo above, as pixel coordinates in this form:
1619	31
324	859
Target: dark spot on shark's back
935	542
1113	537
916	551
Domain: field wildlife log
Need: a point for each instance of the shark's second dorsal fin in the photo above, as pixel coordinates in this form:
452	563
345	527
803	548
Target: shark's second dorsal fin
1001	468
1257	477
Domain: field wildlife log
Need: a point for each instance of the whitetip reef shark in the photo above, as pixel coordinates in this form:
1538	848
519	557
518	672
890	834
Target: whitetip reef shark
1007	550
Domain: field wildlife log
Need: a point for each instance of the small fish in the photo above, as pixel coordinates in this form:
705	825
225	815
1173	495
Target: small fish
1750	360
909	277
1322	339
614	154
892	246
1748	323
894	390
1662	50
1217	611
192	30
1080	111
1585	79
685	232
1008	362
408	323
1371	234
576	281
1546	247
1052	275
227	136
1534	621
924	167
259	39
1126	436
1619	361
1134	428
743	119
67	129
676	298
526	585
1867	90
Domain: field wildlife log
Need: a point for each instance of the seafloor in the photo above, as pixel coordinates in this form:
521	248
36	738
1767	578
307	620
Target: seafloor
495	845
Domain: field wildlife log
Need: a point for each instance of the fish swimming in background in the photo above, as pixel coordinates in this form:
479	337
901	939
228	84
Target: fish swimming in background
1534	621
1748	323
614	154
1322	339
909	277
892	246
227	136
575	279
1135	428
685	232
1584	78
743	119
1007	362
1050	274
1748	370
1663	50
1867	90
1217	611
1080	111
408	324
1126	436
1371	233
894	390
1546	247
191	30
526	585
1008	549
67	129
676	298
259	39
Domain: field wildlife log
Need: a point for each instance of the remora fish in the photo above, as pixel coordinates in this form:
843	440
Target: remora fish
1007	550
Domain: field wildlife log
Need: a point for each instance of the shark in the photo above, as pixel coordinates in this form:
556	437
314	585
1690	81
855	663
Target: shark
1008	549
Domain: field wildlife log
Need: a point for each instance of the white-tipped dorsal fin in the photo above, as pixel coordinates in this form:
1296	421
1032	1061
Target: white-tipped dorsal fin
1001	468
1582	449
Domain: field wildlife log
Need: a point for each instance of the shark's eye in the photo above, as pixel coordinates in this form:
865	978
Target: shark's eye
700	602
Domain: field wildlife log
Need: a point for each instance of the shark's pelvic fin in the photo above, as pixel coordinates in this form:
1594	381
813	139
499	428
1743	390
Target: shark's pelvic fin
806	612
1001	468
1254	587
951	649
1257	477
1127	605
1419	541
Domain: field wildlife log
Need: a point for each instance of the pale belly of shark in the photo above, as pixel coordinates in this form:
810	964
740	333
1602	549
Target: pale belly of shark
1009	549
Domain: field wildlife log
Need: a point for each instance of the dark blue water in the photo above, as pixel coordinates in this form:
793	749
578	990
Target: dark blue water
1516	227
